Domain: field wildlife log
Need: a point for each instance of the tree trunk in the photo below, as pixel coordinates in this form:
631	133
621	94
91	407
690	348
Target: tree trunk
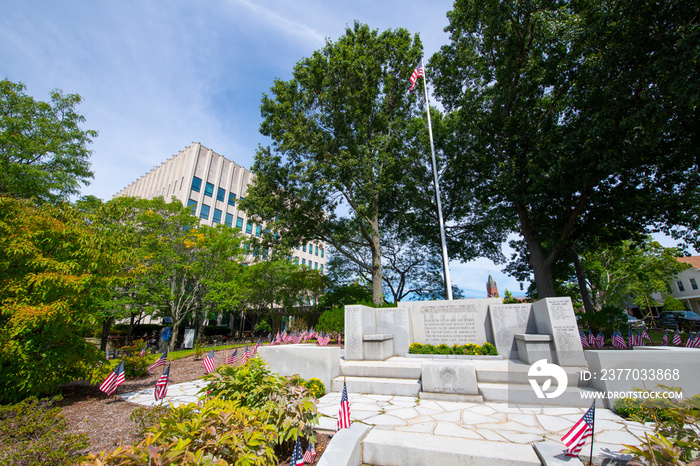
540	261
377	293
580	276
106	325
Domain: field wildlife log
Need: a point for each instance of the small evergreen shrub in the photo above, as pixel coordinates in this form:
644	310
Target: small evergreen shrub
332	321
416	348
32	433
316	387
470	349
443	349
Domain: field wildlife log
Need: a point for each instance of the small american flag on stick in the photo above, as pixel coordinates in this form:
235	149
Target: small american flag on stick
344	412
161	361
162	384
576	437
114	379
209	362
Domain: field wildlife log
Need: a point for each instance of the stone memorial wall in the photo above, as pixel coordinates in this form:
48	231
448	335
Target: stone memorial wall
506	321
555	317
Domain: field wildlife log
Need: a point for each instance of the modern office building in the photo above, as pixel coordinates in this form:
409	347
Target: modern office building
212	185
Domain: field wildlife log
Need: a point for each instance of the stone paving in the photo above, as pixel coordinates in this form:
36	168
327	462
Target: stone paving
497	422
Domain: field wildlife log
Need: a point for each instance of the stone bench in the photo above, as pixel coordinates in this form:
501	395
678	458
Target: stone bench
532	348
378	346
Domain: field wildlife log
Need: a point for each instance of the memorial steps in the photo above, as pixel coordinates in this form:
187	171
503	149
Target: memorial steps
498	381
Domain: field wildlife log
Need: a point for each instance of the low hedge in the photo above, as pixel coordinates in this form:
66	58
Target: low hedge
487	349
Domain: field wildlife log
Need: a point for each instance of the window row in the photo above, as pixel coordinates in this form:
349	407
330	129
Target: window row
228	220
209	191
693	285
313	249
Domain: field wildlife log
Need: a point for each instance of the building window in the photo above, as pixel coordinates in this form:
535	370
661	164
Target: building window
249	228
229	220
680	286
209	189
196	183
239	222
221	194
321	268
693	284
317	250
217	216
303	261
204	213
321	253
258	231
303	247
311	248
315	265
231	199
192	205
296	260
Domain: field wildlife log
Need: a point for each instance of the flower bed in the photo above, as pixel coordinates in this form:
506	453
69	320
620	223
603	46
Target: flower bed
468	351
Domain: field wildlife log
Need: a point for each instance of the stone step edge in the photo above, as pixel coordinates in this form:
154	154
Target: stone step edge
383	380
396	448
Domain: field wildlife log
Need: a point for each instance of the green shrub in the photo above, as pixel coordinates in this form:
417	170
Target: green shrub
316	387
488	349
148	416
605	320
135	366
198	351
628	407
32	432
217	432
332	320
471	349
443	349
287	405
416	348
677	431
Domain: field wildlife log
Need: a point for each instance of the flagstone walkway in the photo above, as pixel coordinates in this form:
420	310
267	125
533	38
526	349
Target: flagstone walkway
497	422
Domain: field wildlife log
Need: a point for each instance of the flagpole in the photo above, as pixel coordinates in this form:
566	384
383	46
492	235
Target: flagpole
445	260
592	433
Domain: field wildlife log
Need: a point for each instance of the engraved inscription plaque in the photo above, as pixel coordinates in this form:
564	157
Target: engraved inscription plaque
507	320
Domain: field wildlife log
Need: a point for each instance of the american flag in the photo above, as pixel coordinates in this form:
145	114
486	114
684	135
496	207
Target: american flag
162	384
296	339
664	340
416	74
161	361
233	358
696	341
114	379
323	340
632	339
584	340
640	340
619	340
591	338
689	341
278	339
340	338
258	344
600	340
645	335
310	454
576	437
344	412
297	456
246	355
676	338
209	362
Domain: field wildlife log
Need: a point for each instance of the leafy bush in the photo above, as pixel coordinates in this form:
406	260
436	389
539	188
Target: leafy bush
605	320
332	320
287	406
217	432
416	348
32	432
316	387
468	349
677	431
148	416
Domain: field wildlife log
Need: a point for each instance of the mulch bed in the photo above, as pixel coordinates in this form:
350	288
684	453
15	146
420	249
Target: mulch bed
106	421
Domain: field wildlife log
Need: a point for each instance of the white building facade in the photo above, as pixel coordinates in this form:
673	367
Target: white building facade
685	286
212	186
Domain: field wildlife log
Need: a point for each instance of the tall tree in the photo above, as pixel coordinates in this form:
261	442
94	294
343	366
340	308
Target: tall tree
338	143
572	120
56	269
43	150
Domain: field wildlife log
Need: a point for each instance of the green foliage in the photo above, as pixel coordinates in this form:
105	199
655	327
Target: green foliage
344	294
673	304
677	430
628	407
198	351
332	320
217	432
56	269
32	433
148	416
508	298
316	387
263	327
470	349
287	406
43	150
605	320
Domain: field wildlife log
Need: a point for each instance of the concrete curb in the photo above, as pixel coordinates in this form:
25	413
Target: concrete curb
345	448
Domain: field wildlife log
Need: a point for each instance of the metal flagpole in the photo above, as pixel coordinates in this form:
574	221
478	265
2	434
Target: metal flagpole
592	434
445	260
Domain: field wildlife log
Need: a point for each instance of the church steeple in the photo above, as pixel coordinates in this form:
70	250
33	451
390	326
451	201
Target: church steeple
491	287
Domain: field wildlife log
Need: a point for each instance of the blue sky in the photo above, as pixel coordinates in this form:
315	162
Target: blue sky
156	76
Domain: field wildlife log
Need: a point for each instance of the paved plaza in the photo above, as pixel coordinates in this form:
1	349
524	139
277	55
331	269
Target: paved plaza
488	421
